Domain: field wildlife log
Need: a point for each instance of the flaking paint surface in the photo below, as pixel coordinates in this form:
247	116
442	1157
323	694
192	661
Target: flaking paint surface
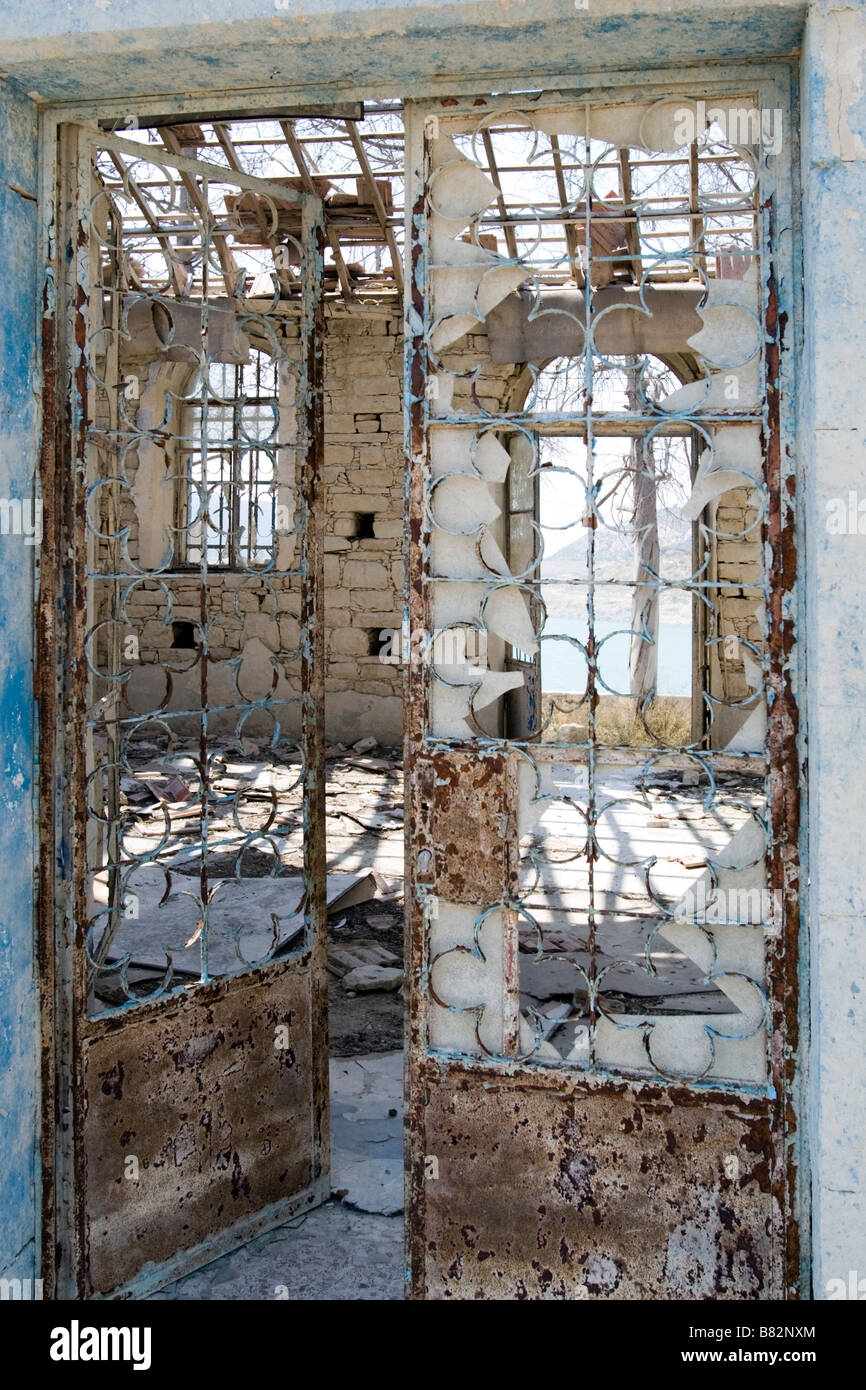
207	1106
19	1035
61	52
610	1195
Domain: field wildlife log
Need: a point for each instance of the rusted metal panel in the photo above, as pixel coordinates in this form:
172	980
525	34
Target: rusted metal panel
195	1119
787	780
465	806
46	693
636	1090
313	680
416	541
616	1194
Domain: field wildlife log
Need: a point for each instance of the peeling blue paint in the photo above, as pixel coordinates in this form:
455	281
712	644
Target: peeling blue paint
19	1013
80	50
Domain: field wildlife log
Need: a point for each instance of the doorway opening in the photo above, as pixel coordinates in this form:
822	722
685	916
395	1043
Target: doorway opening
235	872
593	565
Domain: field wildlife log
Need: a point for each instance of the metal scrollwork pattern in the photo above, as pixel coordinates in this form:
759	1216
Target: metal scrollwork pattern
195	490
591	292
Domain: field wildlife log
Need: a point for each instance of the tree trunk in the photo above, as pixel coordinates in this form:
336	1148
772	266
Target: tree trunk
643	657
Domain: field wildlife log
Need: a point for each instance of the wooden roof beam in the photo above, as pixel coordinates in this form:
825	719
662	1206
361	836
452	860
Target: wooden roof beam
284	275
377	203
303	168
508	230
230	268
177	276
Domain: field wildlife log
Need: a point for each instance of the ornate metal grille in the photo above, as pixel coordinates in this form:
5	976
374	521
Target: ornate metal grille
197	485
593	425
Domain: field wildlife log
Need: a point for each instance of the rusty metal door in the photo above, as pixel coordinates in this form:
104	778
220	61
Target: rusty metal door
182	783
603	905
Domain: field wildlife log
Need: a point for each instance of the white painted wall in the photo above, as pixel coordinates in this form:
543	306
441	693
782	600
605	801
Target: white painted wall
833	444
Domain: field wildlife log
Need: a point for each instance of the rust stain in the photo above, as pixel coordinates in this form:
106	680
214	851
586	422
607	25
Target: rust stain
200	1096
546	1195
463	802
783	735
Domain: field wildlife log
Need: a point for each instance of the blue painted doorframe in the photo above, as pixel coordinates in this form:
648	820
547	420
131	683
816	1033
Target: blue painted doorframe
19	437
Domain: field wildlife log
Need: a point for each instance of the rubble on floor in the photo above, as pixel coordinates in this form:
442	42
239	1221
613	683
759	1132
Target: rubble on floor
255	888
366	1016
365	978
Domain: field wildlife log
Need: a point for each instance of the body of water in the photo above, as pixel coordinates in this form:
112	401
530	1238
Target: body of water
563	667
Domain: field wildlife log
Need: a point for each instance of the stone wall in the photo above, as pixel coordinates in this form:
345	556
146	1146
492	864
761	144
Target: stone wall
254	623
738	559
257	620
364	465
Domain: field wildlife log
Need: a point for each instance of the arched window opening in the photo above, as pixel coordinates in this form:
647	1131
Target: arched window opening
616	556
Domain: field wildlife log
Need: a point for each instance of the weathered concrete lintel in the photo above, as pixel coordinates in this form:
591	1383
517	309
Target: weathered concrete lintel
159	332
81	51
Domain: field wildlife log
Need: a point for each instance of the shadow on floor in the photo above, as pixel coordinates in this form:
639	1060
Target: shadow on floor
350	1249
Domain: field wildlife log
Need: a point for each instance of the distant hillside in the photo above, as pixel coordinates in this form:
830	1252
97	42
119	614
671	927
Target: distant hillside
614	559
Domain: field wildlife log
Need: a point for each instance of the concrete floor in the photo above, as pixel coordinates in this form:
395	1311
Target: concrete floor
332	1253
352	1248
